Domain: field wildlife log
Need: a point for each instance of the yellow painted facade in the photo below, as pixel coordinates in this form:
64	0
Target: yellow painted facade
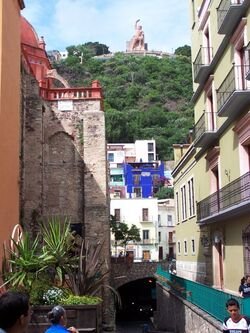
9	115
214	237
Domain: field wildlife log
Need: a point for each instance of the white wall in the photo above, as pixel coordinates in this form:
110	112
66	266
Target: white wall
131	213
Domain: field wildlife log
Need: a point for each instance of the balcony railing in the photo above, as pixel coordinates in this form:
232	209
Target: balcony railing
55	94
206	298
205	129
233	96
148	241
201	63
232	196
228	15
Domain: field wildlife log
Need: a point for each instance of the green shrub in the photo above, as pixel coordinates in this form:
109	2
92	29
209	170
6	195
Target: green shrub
76	300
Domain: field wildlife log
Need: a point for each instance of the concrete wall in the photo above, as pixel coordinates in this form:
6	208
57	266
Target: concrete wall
179	316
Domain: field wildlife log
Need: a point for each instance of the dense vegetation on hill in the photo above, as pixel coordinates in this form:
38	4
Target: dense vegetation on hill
145	97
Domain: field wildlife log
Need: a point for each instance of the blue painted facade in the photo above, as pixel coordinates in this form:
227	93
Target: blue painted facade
143	179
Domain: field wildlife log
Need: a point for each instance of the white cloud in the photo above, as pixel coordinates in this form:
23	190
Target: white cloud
165	22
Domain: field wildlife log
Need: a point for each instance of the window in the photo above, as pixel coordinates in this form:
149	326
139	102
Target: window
150	146
117	194
185	247
191	197
179	247
170	220
193	246
111	157
159	220
116	178
137	191
145	234
144	214
177	207
151	157
136	179
117	215
159	236
183	203
170	237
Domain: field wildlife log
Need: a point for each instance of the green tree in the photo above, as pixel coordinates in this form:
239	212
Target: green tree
183	50
165	193
122	233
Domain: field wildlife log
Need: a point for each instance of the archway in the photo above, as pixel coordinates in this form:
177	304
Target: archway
138	300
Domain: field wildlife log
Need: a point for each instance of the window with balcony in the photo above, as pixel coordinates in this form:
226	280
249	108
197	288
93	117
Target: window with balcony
137	192
183	202
145	214
136	179
159	236
191	200
117	213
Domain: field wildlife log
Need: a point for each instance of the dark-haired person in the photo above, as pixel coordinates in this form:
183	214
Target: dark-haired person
57	317
236	323
244	288
14	312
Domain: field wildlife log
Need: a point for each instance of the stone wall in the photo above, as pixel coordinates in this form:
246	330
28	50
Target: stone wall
178	315
63	166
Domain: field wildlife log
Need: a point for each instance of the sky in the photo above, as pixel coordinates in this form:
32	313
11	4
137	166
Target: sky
72	22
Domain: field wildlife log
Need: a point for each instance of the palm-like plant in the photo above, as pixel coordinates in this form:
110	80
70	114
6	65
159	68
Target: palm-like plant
24	263
58	244
88	276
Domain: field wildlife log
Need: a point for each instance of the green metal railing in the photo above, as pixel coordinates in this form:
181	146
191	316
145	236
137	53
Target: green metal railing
206	298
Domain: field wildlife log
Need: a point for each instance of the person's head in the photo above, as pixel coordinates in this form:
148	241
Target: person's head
243	280
233	308
58	315
14	311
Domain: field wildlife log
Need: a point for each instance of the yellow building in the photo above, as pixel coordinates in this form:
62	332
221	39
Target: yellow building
212	179
9	115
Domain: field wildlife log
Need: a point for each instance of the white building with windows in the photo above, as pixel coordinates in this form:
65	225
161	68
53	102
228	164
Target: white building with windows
144	214
166	229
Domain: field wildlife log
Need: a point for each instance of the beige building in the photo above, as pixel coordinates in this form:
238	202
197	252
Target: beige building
9	115
212	179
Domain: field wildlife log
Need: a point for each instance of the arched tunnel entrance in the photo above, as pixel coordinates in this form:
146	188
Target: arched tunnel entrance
138	300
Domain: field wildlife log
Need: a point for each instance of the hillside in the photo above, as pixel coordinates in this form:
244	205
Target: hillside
145	97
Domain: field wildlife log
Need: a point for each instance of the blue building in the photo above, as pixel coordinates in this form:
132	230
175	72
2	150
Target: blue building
143	179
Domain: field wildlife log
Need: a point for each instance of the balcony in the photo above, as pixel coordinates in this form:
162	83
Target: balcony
229	13
202	63
150	241
146	219
233	96
205	130
230	201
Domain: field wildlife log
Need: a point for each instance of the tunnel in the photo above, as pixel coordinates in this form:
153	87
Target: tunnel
138	300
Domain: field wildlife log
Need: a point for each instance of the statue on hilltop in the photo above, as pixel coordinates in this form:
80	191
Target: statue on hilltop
137	41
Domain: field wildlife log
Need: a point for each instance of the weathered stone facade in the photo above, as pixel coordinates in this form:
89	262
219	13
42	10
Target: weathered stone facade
64	169
178	315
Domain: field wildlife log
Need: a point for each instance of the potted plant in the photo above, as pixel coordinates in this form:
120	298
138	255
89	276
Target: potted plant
57	268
